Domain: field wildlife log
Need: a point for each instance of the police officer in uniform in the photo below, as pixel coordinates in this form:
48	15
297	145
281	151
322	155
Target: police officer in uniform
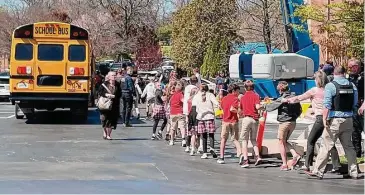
356	76
128	91
340	99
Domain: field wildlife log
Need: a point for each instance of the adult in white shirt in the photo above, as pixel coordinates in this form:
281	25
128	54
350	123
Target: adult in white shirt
187	92
205	103
149	91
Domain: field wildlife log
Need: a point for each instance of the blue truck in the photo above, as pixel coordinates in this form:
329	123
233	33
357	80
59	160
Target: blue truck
296	66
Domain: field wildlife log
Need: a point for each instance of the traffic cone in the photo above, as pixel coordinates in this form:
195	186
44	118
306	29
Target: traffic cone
261	129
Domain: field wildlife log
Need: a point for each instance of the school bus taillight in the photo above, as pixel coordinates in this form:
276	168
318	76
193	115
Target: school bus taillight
24	70
77	71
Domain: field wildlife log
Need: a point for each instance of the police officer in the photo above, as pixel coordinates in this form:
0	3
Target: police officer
128	91
356	76
340	98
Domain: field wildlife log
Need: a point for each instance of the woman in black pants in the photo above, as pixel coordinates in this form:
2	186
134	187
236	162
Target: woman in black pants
159	112
316	94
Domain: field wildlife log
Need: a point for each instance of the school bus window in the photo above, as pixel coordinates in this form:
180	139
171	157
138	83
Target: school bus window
24	51
76	53
50	52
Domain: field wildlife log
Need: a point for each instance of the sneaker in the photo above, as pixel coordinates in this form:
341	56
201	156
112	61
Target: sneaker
183	143
204	156
295	160
258	161
241	160
220	161
153	137
187	149
284	168
171	143
213	153
200	149
192	152
303	169
159	135
312	175
245	164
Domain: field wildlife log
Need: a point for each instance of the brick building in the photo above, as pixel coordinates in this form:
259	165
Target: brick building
313	26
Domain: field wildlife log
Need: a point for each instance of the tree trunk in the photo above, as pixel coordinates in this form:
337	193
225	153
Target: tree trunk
266	27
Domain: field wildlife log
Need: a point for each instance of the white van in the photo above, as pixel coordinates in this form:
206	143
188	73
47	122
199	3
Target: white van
4	85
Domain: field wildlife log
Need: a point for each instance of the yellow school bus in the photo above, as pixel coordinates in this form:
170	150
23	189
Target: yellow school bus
50	67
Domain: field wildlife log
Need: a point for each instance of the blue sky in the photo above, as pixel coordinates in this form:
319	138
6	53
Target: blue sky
3	2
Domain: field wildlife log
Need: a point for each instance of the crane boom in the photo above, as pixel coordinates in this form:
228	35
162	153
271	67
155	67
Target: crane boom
299	41
294	66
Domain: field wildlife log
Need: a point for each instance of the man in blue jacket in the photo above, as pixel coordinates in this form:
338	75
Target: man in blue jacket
128	91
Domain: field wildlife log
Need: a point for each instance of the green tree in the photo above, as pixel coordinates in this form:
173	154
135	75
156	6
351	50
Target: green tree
198	31
164	33
344	26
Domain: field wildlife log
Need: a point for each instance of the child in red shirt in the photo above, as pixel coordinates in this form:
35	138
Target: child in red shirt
250	104
230	105
176	114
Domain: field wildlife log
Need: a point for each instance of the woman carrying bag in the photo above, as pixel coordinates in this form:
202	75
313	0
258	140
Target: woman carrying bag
108	104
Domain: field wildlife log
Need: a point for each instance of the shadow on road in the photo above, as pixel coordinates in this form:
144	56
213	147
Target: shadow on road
64	117
130	139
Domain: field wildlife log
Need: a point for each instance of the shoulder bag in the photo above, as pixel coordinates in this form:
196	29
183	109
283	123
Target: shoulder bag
105	103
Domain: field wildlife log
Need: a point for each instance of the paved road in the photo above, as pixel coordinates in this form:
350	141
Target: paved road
50	155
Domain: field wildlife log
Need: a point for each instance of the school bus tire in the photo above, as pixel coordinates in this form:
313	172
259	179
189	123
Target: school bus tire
80	114
30	116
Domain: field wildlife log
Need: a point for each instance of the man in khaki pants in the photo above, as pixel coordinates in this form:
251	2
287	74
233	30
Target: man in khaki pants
340	99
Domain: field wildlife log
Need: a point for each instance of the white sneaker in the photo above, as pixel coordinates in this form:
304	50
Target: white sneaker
171	143
183	143
220	161
187	149
204	156
192	152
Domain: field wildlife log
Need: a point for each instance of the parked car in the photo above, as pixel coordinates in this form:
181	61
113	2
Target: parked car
125	64
103	68
116	66
4	85
211	85
147	74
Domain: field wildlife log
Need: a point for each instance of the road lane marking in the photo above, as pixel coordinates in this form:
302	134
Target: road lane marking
7	117
160	171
